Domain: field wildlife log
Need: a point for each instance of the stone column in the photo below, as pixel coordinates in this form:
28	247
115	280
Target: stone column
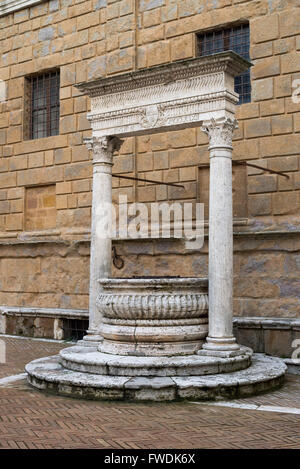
220	340
100	253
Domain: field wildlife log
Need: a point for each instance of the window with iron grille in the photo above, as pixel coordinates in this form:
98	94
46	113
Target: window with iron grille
237	39
43	104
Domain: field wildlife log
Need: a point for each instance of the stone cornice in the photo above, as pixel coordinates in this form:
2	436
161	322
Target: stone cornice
166	97
229	61
10	6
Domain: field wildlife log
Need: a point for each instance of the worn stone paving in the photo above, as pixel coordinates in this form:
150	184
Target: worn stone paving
32	419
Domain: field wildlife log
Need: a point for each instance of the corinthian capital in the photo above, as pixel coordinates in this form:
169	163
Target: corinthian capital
220	132
103	148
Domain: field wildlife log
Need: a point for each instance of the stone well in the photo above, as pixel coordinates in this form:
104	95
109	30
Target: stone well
146	336
153	316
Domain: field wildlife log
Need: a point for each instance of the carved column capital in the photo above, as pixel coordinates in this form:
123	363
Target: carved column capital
220	132
103	148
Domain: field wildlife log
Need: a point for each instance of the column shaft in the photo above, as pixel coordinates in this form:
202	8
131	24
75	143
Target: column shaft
220	338
100	252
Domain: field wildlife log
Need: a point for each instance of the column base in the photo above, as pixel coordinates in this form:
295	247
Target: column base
222	347
92	339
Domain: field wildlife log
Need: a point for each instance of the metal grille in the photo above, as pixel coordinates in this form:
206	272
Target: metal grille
44	105
75	329
236	39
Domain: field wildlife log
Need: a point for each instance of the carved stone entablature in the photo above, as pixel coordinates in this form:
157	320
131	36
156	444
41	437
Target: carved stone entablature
10	6
168	97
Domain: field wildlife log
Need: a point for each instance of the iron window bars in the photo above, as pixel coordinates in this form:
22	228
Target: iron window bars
44	104
237	39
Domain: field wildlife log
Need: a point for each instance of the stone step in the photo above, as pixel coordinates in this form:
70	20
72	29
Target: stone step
265	374
89	360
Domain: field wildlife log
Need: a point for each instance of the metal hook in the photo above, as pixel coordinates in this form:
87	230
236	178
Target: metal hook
117	260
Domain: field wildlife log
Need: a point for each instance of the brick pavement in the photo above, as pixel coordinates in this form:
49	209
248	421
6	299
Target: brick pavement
32	419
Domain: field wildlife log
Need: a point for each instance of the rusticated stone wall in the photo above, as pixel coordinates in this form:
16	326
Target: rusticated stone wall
46	263
55	274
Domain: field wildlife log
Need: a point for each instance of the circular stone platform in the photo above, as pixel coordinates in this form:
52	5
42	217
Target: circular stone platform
264	374
88	360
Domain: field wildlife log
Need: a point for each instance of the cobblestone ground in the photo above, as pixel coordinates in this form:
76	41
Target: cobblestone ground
32	419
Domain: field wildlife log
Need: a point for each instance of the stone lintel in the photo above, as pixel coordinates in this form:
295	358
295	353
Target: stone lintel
167	97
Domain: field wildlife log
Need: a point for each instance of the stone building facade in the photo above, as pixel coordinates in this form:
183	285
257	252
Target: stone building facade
45	181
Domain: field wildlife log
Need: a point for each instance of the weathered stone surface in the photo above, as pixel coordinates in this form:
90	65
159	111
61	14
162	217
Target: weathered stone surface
154	317
265	373
90	361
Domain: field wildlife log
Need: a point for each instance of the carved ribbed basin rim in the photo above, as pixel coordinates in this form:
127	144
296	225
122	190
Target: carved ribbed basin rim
155	283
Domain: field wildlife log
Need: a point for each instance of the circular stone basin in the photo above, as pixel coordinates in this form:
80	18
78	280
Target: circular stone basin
154	316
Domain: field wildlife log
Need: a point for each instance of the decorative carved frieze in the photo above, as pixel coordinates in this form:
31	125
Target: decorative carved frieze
168	97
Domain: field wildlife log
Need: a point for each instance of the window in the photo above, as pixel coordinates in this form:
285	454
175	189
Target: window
236	39
43	105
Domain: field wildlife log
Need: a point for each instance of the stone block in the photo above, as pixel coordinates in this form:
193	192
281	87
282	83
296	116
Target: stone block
40	176
285	203
80	153
289	22
78	171
63	188
85	199
260	205
271	107
182	138
183	157
15	193
264	49
278	342
14	134
62	155
182	47
282	46
284	163
8	180
266	67
262	183
145	162
16	206
253	338
4	206
276	145
155	33
152	18
88	20
257	127
246	111
125	164
290	63
158	53
68	124
14	222
18	162
265	28
282	124
146	194
145	5
36	160
161	160
262	89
